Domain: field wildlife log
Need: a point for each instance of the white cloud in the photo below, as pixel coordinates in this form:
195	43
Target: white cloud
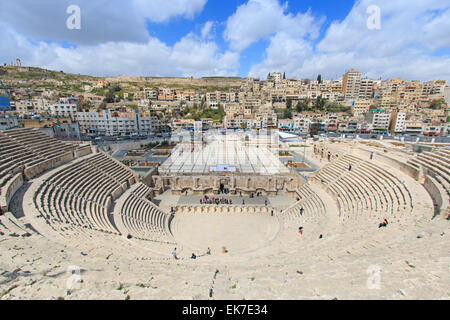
113	41
285	53
206	30
410	32
101	20
163	10
191	56
260	19
196	57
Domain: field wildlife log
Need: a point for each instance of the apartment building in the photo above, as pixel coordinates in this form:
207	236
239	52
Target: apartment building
275	77
361	106
351	126
379	120
286	124
8	122
166	94
366	89
398	123
446	95
66	108
183	124
413	127
113	123
351	84
302	124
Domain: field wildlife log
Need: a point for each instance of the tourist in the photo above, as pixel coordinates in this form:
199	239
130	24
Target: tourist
301	211
174	254
321	236
265	203
371	156
243	202
224	250
231	201
383	224
193	256
300	230
271	213
208	252
350	167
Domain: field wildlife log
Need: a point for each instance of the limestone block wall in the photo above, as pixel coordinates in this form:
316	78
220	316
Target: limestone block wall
148	179
244	184
118	192
222	209
83	151
37	169
9	190
439	195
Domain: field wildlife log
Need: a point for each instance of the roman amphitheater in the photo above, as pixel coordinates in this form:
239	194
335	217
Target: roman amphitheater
78	224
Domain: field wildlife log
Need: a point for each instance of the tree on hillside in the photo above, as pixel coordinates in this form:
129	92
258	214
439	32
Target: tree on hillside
319	103
284	75
437	103
303	105
287	114
288	104
319	78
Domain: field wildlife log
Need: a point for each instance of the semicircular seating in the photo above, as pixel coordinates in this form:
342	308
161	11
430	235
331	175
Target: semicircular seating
365	189
141	218
26	153
309	201
81	193
436	165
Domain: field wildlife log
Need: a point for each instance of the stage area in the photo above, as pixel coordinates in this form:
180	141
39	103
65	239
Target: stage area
223	154
239	233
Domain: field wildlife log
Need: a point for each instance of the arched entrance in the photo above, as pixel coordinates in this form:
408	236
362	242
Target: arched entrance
223	186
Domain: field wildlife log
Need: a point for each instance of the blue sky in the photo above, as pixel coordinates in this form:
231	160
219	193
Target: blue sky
219	11
234	37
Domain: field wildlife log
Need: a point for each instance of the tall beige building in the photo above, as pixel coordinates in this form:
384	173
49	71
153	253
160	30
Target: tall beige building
351	84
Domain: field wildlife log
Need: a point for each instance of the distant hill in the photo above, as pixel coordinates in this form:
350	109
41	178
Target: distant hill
32	73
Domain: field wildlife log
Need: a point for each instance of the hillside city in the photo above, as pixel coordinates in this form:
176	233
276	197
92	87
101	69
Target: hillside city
125	107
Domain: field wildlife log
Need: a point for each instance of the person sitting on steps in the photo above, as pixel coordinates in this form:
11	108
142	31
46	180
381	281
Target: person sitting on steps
384	224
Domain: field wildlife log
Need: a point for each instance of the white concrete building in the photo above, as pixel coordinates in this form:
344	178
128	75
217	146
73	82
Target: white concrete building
379	119
399	122
66	108
302	124
112	123
7	122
